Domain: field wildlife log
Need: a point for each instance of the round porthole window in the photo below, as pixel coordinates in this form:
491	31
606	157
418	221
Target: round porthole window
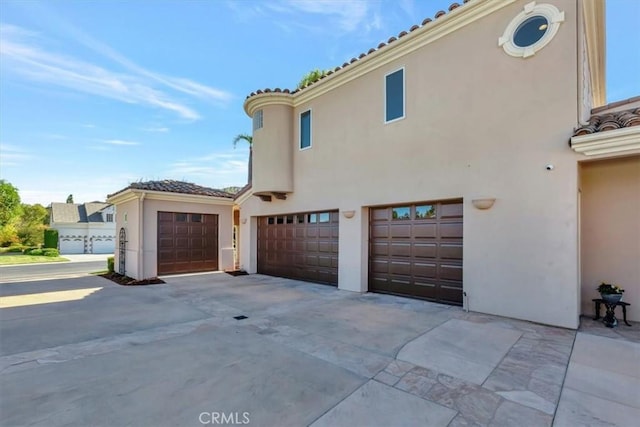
531	30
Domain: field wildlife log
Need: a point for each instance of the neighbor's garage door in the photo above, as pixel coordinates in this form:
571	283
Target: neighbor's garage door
71	245
416	250
187	242
299	246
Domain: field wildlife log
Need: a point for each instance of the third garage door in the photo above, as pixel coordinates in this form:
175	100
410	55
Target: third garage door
300	246
416	250
187	242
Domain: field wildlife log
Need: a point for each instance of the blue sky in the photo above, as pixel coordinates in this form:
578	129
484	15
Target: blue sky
97	94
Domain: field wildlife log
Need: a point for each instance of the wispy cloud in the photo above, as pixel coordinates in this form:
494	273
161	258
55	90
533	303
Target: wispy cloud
156	129
221	169
342	16
120	142
24	52
12	156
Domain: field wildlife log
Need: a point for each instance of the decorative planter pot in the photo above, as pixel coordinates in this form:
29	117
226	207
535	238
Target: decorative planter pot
611	298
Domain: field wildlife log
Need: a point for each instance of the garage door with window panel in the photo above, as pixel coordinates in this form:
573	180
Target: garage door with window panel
416	250
301	246
187	242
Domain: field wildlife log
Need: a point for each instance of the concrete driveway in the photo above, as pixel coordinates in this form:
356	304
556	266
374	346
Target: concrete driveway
86	351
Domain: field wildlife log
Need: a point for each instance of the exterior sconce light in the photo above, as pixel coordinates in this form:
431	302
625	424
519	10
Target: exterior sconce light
483	204
348	214
244	220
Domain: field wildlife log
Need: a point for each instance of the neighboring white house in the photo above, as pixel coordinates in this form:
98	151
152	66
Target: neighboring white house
87	228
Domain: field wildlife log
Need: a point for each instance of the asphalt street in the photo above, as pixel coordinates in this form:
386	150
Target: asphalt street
28	272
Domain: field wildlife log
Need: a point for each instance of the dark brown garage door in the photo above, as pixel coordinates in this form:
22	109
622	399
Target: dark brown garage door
187	242
300	246
416	250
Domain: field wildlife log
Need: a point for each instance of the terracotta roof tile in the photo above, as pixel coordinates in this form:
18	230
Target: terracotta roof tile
171	186
392	39
610	121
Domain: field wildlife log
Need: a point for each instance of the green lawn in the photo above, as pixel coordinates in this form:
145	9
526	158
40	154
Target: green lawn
28	259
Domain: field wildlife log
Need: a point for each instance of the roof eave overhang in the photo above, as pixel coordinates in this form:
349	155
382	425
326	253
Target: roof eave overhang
132	194
594	23
414	40
609	143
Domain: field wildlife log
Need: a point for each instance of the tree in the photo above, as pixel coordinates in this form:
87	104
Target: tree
9	203
70	198
32	224
311	77
249	140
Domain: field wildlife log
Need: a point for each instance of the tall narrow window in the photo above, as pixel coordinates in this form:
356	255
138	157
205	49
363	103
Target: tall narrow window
305	130
394	96
257	120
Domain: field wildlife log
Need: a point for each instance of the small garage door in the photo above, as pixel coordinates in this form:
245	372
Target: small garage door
187	242
300	246
103	245
416	250
71	245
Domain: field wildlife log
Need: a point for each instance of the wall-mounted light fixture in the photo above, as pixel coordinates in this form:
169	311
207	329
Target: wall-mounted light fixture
244	220
348	214
484	203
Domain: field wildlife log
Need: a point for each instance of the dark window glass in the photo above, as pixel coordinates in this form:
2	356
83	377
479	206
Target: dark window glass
426	211
181	217
325	217
394	86
280	220
305	129
196	218
530	31
402	213
300	219
270	220
290	219
311	218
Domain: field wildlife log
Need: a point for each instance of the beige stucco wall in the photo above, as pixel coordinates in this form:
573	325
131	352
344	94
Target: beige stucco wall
150	243
610	229
128	210
273	145
478	123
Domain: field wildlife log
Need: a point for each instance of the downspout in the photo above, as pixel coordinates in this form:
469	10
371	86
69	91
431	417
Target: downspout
141	237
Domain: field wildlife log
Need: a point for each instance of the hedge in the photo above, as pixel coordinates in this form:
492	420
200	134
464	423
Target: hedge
111	264
52	252
51	238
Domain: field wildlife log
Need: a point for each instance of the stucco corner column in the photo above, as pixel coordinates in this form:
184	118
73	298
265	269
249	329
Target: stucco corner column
353	249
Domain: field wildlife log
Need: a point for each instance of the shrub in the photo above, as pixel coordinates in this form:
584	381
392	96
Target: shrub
51	238
15	249
27	249
36	252
50	252
111	264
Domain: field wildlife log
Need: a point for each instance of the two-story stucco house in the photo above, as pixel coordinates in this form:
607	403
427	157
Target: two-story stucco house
470	160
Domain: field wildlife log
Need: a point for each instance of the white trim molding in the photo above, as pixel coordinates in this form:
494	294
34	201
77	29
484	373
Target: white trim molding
548	11
620	141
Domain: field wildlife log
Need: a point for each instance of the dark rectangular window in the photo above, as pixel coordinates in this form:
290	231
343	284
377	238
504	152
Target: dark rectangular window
394	96
196	218
109	217
181	217
305	129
